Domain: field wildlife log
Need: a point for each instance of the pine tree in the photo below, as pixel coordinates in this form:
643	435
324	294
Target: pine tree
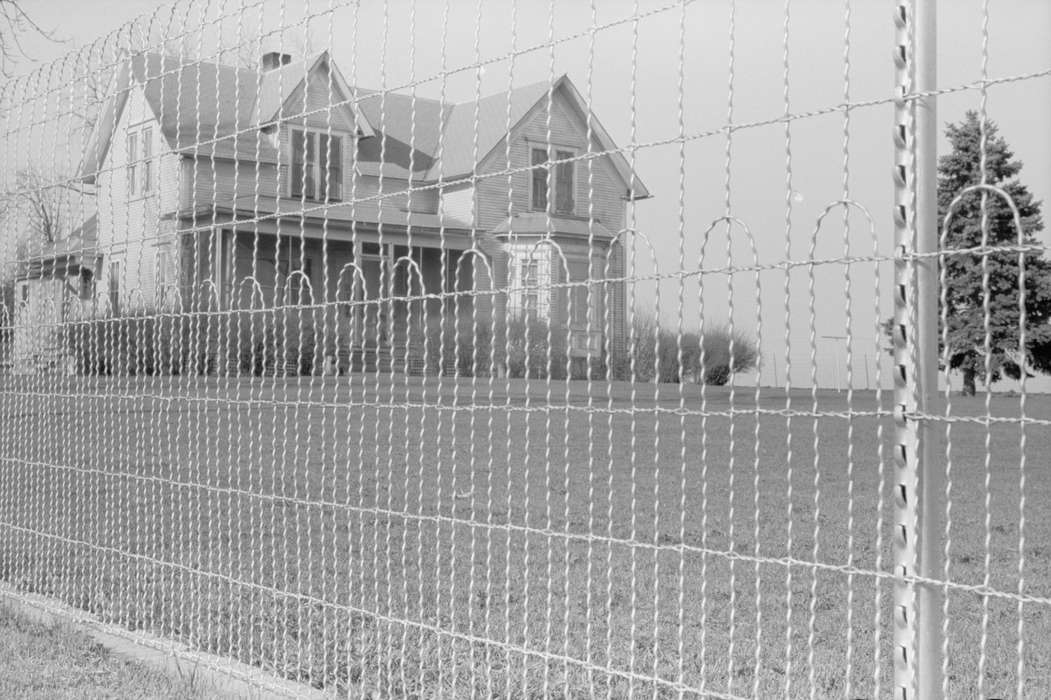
964	290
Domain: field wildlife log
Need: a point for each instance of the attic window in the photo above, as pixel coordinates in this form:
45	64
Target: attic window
560	181
140	179
132	162
317	166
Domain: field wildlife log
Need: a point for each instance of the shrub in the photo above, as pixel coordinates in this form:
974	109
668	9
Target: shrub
659	356
268	346
105	346
537	351
146	344
521	349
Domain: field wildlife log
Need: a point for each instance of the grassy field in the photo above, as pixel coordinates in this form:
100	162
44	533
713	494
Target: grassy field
45	662
405	537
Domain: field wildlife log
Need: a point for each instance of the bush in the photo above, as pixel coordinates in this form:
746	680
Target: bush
536	351
268	346
129	346
523	350
656	354
468	350
147	344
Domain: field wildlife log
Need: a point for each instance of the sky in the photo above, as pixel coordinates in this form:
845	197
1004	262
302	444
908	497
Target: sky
639	76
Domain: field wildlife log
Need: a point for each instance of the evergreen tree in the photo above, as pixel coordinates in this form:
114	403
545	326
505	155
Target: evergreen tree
965	294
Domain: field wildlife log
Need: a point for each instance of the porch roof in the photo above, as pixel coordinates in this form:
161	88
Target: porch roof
62	257
275	208
536	223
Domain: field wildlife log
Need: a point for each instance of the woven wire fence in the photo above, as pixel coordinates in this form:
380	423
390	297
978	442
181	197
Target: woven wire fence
519	349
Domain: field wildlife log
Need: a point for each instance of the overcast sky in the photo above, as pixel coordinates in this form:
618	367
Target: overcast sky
373	45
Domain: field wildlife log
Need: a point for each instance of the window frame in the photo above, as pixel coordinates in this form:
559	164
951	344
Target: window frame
131	145
86	285
319	185
552	177
146	135
113	287
527	298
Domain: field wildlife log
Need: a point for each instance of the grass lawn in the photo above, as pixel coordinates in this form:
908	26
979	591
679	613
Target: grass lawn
400	536
46	662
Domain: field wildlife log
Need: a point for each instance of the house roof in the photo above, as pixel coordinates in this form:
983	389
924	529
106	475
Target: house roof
536	223
205	108
65	256
489	117
338	212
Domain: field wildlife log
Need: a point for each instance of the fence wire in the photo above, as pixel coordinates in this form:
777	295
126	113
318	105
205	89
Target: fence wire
482	349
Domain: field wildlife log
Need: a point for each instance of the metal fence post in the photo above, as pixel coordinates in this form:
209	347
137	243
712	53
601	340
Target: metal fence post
906	474
932	480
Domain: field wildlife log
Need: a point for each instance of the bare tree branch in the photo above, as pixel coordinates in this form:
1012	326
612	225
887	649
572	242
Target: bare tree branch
15	23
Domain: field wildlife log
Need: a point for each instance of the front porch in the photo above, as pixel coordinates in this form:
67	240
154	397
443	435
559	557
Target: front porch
300	305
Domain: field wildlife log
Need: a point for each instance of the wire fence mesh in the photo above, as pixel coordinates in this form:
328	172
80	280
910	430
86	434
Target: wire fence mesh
516	350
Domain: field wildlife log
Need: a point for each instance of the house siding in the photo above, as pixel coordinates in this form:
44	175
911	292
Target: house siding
458	203
606	191
130	229
598	196
140	231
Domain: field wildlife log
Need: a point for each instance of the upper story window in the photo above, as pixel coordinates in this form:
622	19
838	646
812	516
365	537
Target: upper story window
561	181
317	166
147	159
133	158
140	161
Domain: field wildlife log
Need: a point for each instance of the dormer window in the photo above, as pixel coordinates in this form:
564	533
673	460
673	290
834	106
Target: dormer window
317	166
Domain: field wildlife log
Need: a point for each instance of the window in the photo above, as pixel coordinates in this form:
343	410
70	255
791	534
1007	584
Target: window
147	162
163	262
25	293
562	181
87	285
114	288
317	166
530	294
539	180
132	162
579	306
140	163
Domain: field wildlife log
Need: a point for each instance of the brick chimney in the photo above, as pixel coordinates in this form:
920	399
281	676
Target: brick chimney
275	59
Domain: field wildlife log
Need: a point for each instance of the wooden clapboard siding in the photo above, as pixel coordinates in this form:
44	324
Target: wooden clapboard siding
598	195
568	129
130	225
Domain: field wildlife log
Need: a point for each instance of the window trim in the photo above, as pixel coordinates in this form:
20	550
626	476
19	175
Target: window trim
131	146
113	287
321	179
146	136
532	253
572	165
139	152
551	153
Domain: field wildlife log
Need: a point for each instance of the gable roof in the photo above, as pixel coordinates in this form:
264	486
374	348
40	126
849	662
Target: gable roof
490	117
208	108
204	108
